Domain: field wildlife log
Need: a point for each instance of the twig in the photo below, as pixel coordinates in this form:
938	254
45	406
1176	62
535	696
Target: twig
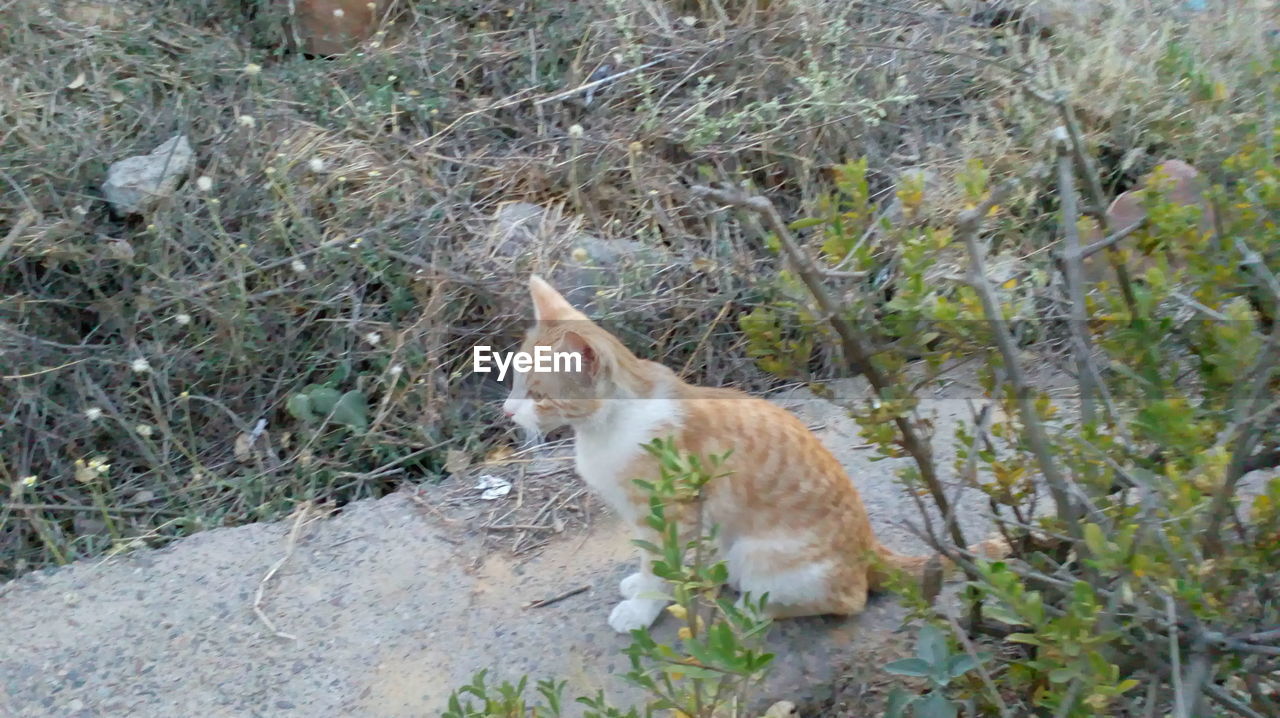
1111	241
1229	701
1194	680
518	527
1072	261
290	543
557	598
1097	206
412	495
983	673
967	229
38	372
596	83
1248	432
855	346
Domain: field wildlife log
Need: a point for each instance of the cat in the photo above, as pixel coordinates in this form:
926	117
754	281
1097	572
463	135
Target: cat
791	523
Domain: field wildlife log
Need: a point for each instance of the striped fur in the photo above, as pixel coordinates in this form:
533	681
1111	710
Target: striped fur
791	522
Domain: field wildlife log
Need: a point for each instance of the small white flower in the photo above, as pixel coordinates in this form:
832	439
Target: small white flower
316	164
203	183
144	430
140	365
396	369
246	120
339	12
298	266
575	131
182	319
93	413
252	69
29	481
373	338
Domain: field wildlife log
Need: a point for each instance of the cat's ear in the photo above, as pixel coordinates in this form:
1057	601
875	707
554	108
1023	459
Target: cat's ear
548	304
592	361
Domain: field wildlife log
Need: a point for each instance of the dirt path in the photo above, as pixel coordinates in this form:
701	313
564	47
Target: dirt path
391	608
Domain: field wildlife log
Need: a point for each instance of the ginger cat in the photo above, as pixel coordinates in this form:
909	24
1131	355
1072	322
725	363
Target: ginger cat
791	522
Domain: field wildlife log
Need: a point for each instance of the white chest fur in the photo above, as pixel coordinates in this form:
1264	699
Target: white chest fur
606	446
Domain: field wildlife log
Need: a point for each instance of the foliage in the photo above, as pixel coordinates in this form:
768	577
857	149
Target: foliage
1176	406
934	662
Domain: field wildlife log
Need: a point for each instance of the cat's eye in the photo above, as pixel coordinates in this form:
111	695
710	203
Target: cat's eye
536	396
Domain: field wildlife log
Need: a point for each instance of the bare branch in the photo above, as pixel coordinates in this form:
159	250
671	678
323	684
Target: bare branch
1111	241
1072	265
1034	431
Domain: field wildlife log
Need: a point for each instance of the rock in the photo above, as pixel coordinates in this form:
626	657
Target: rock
136	184
332	27
580	265
1184	185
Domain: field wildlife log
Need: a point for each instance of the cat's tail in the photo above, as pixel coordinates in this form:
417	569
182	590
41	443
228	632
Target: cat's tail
916	567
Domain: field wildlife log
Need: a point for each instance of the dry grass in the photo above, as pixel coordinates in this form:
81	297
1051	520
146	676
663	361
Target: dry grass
345	234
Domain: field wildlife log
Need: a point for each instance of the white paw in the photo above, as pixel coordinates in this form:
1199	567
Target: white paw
635	613
632	585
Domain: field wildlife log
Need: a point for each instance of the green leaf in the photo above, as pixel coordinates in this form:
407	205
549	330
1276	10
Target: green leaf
299	407
323	399
931	645
936	706
1027	638
909	667
351	411
898	702
959	665
806	223
1094	539
646	545
340	373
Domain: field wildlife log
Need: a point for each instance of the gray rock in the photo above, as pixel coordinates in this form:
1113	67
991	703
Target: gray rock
136	184
585	268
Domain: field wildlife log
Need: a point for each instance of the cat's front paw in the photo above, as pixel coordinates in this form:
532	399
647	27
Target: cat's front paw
635	613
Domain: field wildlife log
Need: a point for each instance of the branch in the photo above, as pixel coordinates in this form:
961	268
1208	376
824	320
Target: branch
1113	240
1248	432
1033	430
1097	206
1072	265
855	346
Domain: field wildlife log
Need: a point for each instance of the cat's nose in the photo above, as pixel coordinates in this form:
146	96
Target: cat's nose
507	412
